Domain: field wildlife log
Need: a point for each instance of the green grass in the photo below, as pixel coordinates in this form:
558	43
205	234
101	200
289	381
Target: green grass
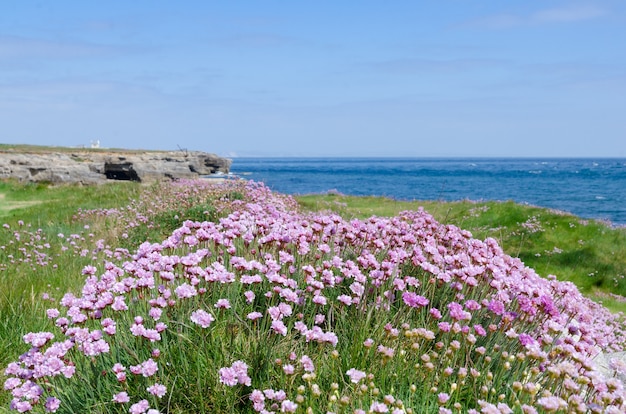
45	149
588	253
45	211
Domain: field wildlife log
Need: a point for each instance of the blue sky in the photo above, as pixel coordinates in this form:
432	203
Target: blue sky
443	78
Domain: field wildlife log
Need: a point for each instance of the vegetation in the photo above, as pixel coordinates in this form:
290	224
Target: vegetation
41	148
203	298
589	253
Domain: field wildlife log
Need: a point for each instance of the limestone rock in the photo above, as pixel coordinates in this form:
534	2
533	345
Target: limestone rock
98	166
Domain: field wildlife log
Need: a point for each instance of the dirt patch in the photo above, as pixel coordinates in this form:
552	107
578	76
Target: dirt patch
6	206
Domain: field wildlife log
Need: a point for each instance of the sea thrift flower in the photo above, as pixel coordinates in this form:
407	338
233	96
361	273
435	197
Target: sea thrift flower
52	404
355	375
279	327
237	373
139	408
258	400
457	312
53	313
202	318
307	363
414	300
121	397
222	304
185	291
155	313
109	326
254	316
38	339
146	368
288	407
228	376
158	390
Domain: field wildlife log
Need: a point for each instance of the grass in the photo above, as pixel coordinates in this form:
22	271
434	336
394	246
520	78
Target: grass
56	236
25	148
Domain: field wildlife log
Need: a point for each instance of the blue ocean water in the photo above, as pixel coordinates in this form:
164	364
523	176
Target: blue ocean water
589	188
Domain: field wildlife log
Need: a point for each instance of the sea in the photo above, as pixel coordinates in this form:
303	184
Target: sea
588	188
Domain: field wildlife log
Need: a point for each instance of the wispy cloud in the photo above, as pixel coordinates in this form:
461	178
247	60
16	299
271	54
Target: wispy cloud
410	66
256	40
569	14
13	47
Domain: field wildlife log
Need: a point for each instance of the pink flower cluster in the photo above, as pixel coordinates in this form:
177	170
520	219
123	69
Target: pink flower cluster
237	373
303	281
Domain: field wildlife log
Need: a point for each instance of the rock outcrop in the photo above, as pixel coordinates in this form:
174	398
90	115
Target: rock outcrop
98	166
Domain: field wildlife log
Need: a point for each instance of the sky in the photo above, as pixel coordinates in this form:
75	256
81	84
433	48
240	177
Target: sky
448	78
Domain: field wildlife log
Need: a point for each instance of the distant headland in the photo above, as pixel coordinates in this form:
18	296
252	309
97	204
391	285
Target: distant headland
29	163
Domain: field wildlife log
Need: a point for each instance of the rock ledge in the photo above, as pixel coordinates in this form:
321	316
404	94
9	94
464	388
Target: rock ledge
98	166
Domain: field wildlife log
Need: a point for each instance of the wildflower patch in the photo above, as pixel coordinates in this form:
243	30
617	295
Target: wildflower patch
271	310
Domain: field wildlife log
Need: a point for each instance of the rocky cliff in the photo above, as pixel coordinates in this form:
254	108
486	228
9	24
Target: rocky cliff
89	166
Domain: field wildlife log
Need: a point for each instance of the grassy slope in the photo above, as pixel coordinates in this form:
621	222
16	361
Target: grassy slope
46	212
592	255
587	253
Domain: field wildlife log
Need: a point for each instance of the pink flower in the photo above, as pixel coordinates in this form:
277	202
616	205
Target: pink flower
249	296
38	339
386	351
109	326
52	404
157	389
222	304
119	304
140	407
355	375
185	291
155	313
274	313
552	403
146	368
228	376
121	397
345	299
279	327
202	318
237	373
53	313
480	331
414	300
21	406
12	383
319	300
254	315
444	326
378	407
307	363
241	369
152	335
457	312
288	369
496	307
288	407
